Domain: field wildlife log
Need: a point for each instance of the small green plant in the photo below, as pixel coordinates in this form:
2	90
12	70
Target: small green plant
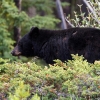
35	97
20	92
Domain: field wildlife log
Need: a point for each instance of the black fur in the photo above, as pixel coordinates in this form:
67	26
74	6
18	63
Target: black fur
60	44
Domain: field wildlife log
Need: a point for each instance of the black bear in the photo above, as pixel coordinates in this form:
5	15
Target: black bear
60	44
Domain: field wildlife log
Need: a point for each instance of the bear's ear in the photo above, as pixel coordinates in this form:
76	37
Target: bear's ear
34	32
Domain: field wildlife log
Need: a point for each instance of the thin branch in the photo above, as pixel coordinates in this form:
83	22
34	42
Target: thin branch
69	23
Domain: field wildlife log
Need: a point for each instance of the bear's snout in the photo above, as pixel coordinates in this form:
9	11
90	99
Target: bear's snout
16	52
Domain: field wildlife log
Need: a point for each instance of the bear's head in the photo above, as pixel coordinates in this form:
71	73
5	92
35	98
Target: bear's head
25	45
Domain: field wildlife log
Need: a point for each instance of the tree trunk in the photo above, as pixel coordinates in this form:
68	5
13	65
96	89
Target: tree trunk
61	14
17	30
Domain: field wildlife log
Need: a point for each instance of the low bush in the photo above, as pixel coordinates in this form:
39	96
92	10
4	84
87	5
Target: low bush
73	80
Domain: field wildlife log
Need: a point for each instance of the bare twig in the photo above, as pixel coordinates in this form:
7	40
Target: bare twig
69	23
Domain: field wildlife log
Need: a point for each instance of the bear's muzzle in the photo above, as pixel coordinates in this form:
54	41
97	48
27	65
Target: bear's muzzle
16	52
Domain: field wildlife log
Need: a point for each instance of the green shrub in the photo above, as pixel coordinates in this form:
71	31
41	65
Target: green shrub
76	79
